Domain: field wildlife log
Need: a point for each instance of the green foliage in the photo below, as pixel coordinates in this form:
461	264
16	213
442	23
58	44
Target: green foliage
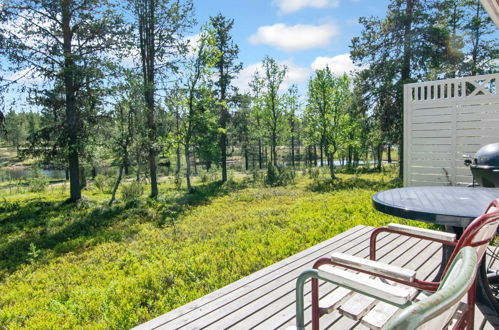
33	253
38	184
131	192
258	178
204	177
177	181
279	176
93	266
104	183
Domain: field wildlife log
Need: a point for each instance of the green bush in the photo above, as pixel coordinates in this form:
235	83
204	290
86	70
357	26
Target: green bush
257	177
177	181
279	176
204	177
131	192
104	183
314	173
38	184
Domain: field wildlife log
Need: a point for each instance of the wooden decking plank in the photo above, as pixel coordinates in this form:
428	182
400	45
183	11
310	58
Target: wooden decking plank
283	293
379	315
266	298
420	245
382	312
269	292
208	300
333	299
208	304
357	306
266	305
385	251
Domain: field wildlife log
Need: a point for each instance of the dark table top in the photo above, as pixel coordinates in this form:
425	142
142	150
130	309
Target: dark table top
448	206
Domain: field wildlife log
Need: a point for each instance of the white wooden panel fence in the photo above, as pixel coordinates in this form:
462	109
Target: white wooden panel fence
445	120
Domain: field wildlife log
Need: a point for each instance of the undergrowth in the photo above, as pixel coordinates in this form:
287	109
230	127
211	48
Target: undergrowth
93	266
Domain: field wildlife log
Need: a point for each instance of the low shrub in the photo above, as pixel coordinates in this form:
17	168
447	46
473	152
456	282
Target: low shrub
279	176
204	177
38	184
104	183
177	181
131	192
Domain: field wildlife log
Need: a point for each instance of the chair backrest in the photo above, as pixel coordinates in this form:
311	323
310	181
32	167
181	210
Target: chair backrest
479	232
435	311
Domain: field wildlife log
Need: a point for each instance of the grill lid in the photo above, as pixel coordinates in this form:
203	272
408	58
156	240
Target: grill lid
487	156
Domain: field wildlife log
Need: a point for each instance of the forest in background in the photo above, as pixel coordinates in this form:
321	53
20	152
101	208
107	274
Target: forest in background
176	105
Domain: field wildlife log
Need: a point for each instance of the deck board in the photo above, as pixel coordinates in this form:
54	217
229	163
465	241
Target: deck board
266	298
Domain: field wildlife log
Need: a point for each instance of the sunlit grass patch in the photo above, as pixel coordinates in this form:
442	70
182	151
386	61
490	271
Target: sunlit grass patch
91	265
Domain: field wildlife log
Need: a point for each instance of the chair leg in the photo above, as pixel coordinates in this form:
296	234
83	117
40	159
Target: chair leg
471	306
300	308
315	304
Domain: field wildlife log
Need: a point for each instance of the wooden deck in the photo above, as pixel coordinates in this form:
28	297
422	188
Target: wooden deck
266	299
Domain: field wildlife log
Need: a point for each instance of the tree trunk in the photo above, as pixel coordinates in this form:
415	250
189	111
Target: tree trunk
187	167
116	185
253	161
380	156
389	153
179	160
331	165
126	165
405	73
315	154
223	149
195	162
72	119
147	31
350	156
137	174
83	178
260	157
476	42
246	158
274	148
322	155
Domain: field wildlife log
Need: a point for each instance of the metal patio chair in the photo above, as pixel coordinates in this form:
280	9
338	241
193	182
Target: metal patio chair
477	235
433	312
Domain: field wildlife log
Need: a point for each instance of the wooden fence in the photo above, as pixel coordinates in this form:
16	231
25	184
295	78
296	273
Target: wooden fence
444	121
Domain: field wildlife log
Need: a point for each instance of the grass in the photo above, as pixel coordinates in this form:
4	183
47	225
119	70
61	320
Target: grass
93	266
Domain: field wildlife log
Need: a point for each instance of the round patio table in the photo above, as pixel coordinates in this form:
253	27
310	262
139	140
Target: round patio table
449	206
446	206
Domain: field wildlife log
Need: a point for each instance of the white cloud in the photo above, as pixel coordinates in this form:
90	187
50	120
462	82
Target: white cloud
338	64
294	75
296	37
290	6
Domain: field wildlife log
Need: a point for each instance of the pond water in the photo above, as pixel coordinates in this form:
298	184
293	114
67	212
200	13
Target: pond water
16	173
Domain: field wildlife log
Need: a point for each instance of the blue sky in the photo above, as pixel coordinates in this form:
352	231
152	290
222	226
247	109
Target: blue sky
303	34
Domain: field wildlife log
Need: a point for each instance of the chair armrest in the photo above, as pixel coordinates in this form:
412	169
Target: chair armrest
372	266
370	287
431	234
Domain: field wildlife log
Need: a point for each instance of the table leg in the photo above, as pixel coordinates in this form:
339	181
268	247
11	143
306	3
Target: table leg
447	251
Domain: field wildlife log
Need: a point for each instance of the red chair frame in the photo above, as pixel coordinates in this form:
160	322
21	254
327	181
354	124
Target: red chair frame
490	216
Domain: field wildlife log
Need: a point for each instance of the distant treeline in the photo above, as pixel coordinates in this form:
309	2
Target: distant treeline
177	100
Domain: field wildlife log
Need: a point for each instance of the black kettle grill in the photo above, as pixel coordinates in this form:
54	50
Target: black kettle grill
485	166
